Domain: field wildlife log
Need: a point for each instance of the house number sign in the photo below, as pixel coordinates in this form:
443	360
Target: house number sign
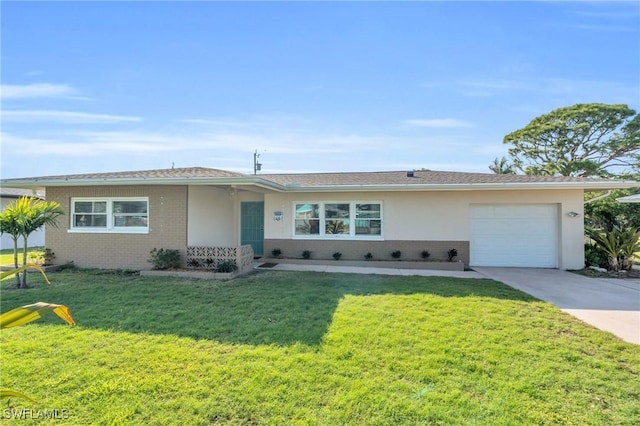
277	216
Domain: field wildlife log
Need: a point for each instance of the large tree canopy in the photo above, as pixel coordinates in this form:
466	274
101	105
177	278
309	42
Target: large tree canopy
580	140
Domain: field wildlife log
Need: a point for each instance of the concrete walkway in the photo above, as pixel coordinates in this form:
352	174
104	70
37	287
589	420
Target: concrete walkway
609	304
370	270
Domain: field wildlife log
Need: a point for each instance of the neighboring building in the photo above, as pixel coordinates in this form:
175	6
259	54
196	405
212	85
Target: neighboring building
9	195
629	199
115	219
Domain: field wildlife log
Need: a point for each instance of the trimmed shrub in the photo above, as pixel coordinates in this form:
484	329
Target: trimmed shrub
227	266
452	254
164	258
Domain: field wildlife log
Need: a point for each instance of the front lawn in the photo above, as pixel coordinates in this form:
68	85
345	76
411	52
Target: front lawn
312	348
6	255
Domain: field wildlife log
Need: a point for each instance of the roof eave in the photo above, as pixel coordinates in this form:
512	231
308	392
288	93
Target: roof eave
271	185
587	186
222	181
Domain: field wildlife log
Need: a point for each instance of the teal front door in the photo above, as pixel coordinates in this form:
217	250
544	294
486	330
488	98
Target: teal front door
252	225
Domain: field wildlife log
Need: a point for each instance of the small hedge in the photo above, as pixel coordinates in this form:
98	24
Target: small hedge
164	258
227	266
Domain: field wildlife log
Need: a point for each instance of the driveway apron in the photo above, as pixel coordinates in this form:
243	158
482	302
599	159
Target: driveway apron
612	305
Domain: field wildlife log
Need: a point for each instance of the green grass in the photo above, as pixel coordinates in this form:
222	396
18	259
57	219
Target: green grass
311	348
6	255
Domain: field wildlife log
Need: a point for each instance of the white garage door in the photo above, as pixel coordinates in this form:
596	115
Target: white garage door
522	235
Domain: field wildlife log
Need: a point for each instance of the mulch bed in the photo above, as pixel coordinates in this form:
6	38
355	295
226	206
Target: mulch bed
634	273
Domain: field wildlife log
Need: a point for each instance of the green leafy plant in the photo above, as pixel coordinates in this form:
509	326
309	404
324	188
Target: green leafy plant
396	254
164	258
276	252
306	254
368	256
192	263
337	255
41	257
629	246
227	266
36	257
452	254
593	256
26	314
618	245
425	254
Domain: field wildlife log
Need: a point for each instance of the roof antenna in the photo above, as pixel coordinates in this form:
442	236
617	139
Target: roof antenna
256	166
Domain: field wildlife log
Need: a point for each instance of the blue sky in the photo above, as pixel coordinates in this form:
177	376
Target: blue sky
313	86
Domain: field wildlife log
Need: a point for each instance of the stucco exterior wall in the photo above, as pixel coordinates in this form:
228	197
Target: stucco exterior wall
167	228
214	215
211	217
432	217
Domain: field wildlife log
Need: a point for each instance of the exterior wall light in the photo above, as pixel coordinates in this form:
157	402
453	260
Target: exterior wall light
573	214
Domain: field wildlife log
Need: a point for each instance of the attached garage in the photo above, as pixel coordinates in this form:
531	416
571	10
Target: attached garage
514	235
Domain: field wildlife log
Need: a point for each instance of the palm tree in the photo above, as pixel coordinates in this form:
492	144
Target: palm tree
502	167
21	219
9	225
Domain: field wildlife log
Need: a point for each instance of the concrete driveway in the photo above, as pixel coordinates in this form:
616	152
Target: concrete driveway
609	304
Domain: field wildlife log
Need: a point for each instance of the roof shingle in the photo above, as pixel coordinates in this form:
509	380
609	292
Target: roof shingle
426	177
195	172
320	181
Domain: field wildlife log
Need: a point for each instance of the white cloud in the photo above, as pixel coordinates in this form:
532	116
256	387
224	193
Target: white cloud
78	146
489	87
35	90
439	123
213	122
563	90
73	117
96	143
614	28
73	150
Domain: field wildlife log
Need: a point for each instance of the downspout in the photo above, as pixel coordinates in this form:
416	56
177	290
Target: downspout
599	197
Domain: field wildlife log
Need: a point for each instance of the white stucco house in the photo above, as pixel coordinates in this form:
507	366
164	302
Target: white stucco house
10	195
115	219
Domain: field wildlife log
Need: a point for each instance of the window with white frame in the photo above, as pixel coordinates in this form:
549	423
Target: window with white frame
368	219
110	215
338	220
307	220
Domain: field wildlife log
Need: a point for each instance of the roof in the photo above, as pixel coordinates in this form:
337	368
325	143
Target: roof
629	199
189	172
317	182
423	177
